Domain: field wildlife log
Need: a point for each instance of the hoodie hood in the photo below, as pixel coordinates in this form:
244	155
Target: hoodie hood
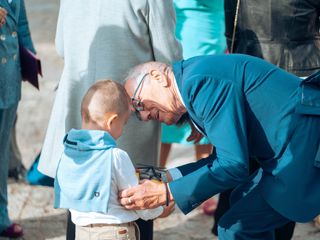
85	140
83	178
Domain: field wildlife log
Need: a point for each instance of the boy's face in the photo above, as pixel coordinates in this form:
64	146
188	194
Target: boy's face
117	125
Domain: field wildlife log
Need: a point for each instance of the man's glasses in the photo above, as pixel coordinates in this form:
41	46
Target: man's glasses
136	103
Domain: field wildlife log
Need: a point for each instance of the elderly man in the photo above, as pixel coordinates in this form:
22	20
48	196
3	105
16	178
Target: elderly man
250	110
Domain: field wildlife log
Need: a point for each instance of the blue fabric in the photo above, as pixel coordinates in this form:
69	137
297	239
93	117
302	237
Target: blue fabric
248	109
250	216
200	28
309	98
7	117
175	173
83	178
34	177
15	31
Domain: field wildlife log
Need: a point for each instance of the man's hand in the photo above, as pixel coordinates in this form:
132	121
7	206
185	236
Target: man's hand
3	16
146	195
168	210
195	136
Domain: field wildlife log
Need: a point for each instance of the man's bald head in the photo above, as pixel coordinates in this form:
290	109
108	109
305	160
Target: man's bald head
105	96
154	93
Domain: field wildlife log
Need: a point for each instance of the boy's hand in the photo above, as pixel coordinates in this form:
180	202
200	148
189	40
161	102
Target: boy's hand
167	210
3	16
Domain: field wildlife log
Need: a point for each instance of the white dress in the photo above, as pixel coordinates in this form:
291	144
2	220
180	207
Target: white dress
102	40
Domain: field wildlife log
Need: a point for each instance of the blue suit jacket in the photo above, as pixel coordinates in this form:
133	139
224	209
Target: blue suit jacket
14	31
251	109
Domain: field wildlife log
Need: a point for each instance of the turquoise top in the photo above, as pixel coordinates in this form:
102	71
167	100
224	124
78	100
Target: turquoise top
200	28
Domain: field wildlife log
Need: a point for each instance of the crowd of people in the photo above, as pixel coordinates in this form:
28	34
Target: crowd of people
239	78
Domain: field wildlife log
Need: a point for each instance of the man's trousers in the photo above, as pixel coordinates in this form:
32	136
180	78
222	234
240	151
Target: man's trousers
250	217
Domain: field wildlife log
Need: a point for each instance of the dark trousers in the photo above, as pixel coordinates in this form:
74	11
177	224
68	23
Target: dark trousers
7	117
146	229
282	233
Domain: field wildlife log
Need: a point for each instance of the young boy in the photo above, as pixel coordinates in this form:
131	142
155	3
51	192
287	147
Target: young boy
92	170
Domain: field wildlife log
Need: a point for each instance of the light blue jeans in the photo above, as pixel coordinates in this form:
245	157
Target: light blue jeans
7	118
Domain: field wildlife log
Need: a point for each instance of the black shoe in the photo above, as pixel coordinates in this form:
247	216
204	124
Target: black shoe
18	173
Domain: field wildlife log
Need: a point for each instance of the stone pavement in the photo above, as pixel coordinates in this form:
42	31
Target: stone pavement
31	206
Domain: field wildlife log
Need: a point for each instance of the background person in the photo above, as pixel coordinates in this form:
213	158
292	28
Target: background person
200	28
103	40
14	30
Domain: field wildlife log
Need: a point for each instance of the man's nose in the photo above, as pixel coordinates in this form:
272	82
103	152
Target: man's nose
145	115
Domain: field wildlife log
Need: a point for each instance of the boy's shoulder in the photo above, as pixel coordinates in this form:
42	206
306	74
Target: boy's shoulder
121	159
119	153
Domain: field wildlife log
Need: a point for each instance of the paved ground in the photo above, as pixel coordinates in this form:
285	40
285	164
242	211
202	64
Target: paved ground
32	206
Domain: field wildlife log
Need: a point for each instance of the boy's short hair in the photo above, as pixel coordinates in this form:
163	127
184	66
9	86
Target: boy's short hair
102	97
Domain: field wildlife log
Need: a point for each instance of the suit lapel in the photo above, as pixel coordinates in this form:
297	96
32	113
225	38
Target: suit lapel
177	70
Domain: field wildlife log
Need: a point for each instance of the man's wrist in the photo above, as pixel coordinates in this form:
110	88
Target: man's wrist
161	192
170	196
166	196
168	176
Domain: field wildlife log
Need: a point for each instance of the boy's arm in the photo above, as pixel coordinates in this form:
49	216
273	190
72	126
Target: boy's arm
126	177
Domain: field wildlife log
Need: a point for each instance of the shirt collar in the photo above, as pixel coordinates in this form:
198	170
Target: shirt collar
178	91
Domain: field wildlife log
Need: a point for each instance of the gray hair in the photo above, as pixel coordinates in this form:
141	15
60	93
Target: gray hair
141	69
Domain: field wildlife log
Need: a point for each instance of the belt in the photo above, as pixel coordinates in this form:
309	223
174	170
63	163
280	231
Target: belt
109	225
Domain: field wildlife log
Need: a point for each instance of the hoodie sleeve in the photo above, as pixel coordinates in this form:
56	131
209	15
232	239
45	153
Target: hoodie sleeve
126	177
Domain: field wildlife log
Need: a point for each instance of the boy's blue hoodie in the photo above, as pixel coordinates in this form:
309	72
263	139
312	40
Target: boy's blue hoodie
83	177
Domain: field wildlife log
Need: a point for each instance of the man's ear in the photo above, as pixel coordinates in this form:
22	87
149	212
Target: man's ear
159	76
109	119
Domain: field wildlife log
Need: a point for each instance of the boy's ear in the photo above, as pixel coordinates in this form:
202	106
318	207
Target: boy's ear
109	119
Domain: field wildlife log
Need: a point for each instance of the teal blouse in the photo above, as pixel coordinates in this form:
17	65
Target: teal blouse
200	28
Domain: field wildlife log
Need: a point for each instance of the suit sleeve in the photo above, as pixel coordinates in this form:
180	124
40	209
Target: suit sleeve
162	24
191	167
23	29
219	104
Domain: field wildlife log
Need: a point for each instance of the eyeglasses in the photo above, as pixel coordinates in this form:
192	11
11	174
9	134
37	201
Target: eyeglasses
136	103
